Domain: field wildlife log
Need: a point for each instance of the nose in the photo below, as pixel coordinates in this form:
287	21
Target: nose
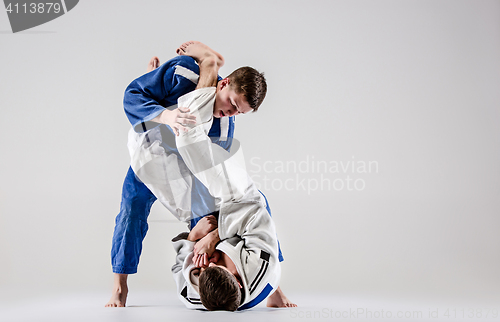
211	264
231	111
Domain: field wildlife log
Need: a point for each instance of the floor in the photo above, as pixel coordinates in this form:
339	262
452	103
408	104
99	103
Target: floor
163	306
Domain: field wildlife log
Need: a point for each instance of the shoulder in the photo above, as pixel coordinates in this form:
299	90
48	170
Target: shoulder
182	68
184	61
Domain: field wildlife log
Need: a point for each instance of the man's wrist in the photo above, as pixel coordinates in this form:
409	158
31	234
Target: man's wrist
192	236
162	117
215	234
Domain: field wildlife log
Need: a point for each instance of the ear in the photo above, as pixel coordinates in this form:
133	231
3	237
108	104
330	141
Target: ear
223	83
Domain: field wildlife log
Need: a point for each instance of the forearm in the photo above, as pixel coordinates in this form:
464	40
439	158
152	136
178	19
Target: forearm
209	70
204	226
207	244
194	236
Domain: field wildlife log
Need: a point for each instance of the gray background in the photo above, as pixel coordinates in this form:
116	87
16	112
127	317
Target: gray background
411	85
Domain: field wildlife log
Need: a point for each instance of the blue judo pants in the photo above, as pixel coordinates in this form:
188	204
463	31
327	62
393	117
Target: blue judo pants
131	225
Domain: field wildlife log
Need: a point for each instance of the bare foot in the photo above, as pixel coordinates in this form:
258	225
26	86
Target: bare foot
153	63
120	291
200	52
118	299
278	299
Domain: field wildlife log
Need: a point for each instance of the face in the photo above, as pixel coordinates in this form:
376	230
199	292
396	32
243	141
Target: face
228	102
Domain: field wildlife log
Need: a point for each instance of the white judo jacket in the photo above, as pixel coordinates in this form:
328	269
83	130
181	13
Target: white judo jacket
246	230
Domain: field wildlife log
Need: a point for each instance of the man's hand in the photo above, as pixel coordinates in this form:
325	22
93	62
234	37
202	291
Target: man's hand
204	249
202	260
202	228
176	119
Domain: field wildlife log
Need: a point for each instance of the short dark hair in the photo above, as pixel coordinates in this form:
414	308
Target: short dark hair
219	290
250	83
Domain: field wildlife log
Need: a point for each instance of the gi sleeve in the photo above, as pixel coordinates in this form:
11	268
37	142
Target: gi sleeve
148	96
251	223
185	291
183	248
223	173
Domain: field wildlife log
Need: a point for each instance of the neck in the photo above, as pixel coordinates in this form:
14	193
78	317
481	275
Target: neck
226	261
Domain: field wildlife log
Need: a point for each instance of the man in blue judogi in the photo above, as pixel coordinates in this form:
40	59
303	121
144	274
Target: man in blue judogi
150	103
